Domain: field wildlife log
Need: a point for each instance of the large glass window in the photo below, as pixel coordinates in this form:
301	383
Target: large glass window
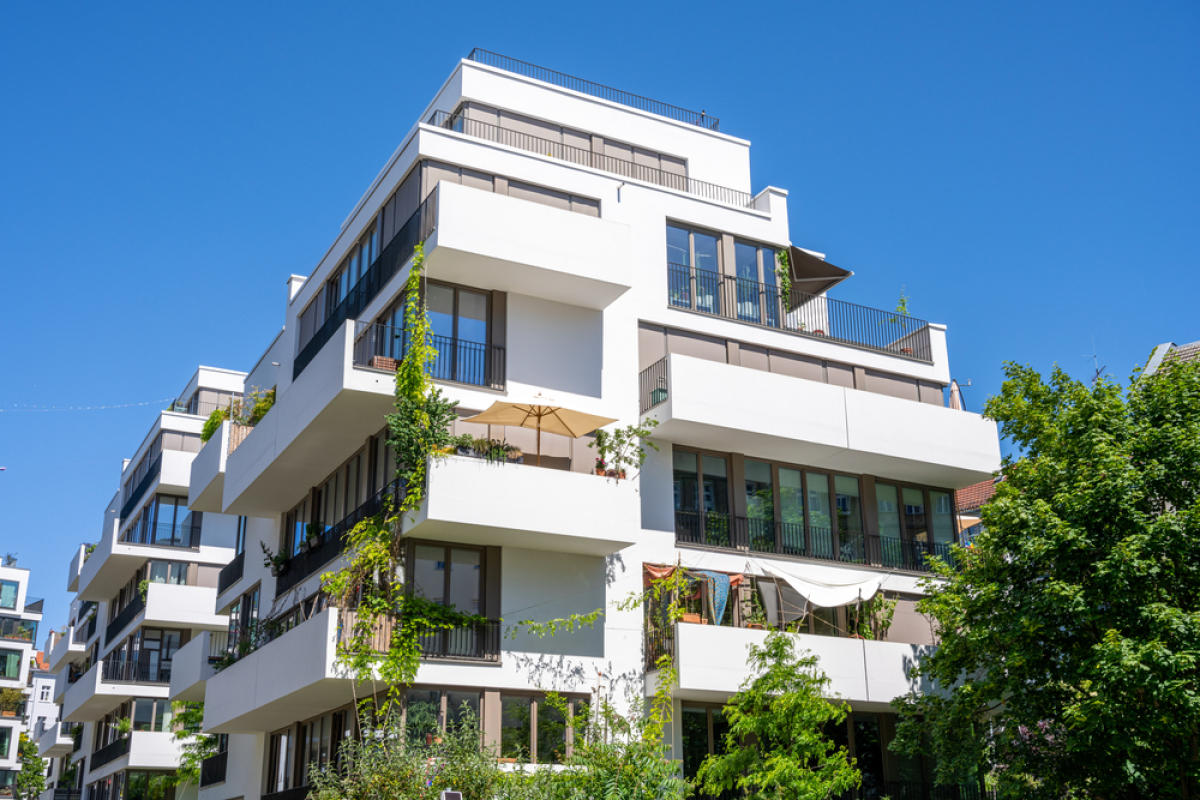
791	506
459	320
748	301
10	663
704	732
760	506
239	543
21	630
942	518
279	762
820	514
146	786
6	738
8	594
537	729
850	520
318	743
701	498
693	269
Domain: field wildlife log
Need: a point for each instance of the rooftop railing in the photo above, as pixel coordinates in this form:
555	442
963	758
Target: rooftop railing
458	361
418	228
460	123
592	89
811	315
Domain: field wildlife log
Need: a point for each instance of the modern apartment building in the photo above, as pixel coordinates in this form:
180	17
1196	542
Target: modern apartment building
142	591
19	618
608	252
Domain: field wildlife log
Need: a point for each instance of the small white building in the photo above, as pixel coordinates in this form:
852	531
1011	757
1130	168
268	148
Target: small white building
19	617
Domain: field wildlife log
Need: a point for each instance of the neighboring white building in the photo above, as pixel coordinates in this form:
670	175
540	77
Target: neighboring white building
144	590
19	618
609	252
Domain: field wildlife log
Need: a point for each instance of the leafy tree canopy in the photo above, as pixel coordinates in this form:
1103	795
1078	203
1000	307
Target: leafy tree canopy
777	746
1071	633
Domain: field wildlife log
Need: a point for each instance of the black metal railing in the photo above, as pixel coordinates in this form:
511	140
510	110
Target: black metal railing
212	769
144	484
659	643
457	360
199	408
913	790
725	531
33	605
594	89
231	573
184	534
478	642
416	230
330	542
652	386
109	753
811	315
68	794
118	671
460	123
295	793
123	618
91	628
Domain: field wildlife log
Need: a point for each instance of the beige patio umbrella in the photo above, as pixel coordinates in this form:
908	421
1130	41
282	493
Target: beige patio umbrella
542	414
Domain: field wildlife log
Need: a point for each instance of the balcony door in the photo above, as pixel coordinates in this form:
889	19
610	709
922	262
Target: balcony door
451	577
459	320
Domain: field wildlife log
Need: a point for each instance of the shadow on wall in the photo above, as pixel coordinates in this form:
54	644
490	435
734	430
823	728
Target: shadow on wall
554	345
541	586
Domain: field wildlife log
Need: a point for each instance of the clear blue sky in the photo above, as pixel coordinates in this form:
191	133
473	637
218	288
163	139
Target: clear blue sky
1030	172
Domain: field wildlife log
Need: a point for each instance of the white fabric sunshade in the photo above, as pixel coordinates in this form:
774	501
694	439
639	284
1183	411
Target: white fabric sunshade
828	595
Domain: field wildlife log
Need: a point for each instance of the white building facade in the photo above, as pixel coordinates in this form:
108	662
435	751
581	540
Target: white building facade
142	591
19	617
607	252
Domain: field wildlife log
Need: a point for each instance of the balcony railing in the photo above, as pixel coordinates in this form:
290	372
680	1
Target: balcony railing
91	628
202	409
109	753
460	123
184	534
811	315
231	573
806	541
594	89
144	484
652	386
457	360
123	618
479	642
212	769
218	645
417	229
295	793
331	542
116	671
68	794
20	630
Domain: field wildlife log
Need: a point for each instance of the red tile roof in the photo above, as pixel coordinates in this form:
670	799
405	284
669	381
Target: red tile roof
972	497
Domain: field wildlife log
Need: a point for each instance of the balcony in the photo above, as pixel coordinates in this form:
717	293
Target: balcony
459	123
195	664
711	661
457	361
170	605
231	573
139	491
108	684
725	408
68	647
813	316
471	501
77	561
54	740
18	630
491	241
296	674
212	769
113	563
773	537
141	750
331	543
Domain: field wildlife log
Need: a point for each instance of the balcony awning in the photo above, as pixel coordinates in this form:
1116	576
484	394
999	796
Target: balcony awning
813	275
828	595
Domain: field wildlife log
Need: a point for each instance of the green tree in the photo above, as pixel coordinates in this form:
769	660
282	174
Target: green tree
776	746
1071	631
31	780
194	746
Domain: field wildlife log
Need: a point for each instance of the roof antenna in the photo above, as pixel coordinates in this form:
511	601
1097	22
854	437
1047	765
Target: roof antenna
1096	363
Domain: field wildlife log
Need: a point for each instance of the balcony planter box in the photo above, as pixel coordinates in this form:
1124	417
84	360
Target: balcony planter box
692	618
382	362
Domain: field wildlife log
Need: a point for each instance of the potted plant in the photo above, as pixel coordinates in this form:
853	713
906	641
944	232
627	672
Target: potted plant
313	538
124	727
272	561
623	447
601	466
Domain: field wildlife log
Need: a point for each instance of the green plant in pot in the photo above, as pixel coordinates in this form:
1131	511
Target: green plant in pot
124	727
272	561
623	448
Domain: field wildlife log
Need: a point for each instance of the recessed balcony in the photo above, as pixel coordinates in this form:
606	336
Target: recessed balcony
70	645
727	408
54	739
